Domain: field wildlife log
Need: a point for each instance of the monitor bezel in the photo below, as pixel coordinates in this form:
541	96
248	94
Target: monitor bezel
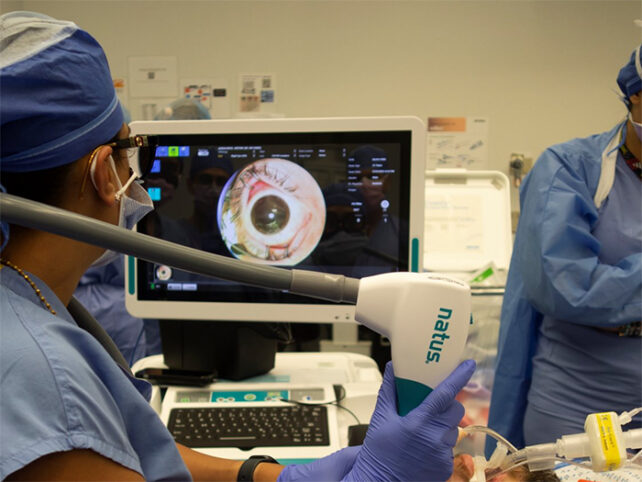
283	312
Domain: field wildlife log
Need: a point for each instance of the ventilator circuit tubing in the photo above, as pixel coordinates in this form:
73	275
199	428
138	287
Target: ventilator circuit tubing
497	458
31	214
492	433
544	456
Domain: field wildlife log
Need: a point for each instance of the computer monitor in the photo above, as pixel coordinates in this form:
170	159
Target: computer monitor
336	195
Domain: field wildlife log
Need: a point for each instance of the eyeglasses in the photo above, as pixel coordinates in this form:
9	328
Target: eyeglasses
144	146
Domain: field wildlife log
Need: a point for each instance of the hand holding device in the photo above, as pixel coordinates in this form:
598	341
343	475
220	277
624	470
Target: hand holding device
417	446
332	467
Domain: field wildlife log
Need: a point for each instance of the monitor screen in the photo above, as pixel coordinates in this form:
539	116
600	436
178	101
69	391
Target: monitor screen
331	195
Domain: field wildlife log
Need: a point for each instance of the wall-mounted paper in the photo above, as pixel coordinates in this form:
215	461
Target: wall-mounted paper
153	76
457	142
257	93
212	93
146	108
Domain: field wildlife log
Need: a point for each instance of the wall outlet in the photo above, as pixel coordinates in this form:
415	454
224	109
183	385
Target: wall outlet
521	161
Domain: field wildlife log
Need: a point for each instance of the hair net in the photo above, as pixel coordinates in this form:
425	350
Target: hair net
630	77
127	117
58	98
183	109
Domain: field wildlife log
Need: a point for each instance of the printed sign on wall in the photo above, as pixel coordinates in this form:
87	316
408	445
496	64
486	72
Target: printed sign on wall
457	142
257	93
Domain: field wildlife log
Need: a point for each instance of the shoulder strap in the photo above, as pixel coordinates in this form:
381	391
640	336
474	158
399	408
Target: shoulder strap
607	170
87	322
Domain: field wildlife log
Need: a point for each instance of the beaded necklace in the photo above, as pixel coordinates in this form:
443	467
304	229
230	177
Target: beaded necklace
28	280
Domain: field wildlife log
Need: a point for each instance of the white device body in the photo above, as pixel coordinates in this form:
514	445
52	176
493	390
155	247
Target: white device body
426	317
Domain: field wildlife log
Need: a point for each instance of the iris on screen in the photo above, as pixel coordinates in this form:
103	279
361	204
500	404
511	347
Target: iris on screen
271	212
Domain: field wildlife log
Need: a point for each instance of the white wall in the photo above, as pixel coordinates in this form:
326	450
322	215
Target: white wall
541	71
10	5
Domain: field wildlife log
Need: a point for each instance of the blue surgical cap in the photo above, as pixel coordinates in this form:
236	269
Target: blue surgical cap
630	77
57	98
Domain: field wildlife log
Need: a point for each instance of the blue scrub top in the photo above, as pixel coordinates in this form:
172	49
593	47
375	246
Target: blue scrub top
102	292
575	262
579	369
60	390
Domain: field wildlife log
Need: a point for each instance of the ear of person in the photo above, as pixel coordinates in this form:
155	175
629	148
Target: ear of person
102	175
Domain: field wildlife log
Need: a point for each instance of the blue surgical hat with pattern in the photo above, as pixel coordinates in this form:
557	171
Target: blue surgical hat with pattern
630	77
58	100
57	97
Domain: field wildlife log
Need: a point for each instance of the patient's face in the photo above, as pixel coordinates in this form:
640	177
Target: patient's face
464	470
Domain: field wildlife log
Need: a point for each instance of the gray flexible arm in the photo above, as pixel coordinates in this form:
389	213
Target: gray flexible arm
333	287
16	210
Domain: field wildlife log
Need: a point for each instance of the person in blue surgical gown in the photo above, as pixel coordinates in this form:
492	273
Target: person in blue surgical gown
569	341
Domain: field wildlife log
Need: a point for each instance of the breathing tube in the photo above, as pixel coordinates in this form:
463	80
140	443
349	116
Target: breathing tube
603	443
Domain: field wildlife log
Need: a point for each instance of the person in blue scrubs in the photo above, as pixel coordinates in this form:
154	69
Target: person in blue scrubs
101	289
569	341
68	408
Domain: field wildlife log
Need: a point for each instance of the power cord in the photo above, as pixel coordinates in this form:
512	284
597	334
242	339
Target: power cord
341	395
133	354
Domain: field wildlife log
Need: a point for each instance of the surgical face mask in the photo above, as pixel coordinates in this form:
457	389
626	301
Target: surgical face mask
637	126
133	207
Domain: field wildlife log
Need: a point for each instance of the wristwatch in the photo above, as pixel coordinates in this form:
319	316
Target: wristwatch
632	329
246	472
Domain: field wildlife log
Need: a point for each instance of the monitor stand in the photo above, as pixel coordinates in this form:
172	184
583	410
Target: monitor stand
231	349
345	338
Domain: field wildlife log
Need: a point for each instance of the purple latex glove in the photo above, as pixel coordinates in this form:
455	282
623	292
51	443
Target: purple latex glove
332	467
418	446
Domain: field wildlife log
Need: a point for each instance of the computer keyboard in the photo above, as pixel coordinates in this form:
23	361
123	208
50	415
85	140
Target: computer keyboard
249	427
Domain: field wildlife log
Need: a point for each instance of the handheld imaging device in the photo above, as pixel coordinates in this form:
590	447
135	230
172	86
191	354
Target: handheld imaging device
426	317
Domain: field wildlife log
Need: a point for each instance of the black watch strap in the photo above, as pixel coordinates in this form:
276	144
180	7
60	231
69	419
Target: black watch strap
246	472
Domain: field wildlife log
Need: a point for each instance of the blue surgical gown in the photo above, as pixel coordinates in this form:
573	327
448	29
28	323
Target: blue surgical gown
60	390
576	267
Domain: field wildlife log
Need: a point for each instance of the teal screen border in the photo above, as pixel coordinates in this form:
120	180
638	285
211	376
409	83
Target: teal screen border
414	255
131	279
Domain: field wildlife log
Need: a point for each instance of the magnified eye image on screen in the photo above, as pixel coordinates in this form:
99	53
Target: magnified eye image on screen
327	195
271	212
